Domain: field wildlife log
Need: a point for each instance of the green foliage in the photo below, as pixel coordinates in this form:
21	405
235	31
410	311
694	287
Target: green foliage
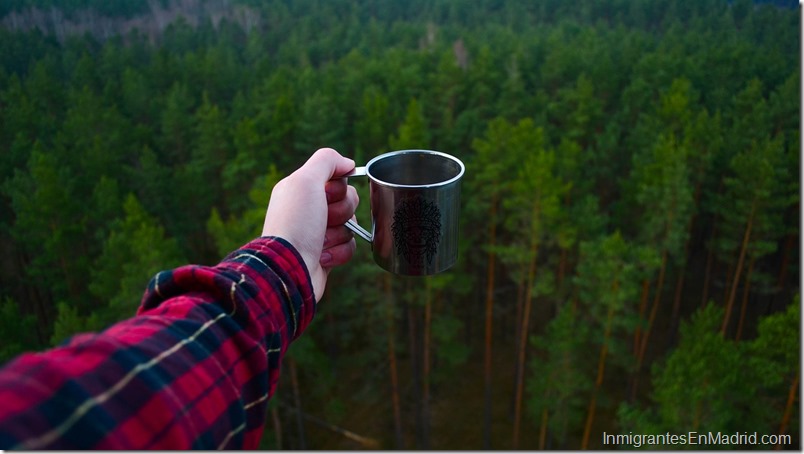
372	126
177	124
450	349
597	137
413	131
709	383
702	384
321	123
493	161
238	230
560	379
46	192
756	192
69	323
607	283
536	189
663	192
17	330
135	250
773	357
776	344
310	357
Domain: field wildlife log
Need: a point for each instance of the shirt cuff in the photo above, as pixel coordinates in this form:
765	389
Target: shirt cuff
279	258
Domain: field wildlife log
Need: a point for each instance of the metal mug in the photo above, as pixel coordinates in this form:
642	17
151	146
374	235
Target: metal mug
415	203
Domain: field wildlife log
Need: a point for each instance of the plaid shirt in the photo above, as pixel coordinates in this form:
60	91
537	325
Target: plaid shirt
194	369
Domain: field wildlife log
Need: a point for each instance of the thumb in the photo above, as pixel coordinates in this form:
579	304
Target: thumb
327	163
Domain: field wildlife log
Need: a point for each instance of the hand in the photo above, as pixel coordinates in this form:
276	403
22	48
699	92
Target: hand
308	209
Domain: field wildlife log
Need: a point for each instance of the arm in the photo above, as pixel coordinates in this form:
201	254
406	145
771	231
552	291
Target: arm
193	370
197	365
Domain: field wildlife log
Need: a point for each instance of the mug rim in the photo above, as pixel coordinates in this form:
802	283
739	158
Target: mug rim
391	154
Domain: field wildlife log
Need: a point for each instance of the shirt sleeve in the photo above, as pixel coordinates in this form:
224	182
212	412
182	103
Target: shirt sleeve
193	370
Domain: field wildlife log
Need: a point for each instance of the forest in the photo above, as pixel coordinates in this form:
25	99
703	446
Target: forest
630	223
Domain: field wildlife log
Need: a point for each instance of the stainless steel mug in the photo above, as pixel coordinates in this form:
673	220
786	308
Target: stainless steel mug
415	203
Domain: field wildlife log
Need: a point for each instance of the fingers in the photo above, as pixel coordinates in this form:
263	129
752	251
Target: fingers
338	255
342	210
327	163
339	246
335	189
337	235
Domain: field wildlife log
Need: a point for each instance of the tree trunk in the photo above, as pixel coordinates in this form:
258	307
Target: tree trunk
643	305
744	304
520	298
727	283
297	403
523	341
788	246
428	310
415	366
651	318
489	326
696	420
389	298
708	272
788	409
736	281
562	265
44	306
368	443
654	310
520	302
543	429
674	317
601	370
277	427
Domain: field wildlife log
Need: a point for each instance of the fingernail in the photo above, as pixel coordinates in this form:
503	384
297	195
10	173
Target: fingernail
326	258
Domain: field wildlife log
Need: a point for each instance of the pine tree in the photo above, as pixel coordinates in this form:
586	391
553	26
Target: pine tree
46	192
772	354
559	379
702	387
372	125
489	185
534	205
18	330
177	125
608	284
665	198
135	250
413	132
235	231
753	202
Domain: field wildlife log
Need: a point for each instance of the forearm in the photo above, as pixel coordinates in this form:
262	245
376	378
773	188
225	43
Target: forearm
194	369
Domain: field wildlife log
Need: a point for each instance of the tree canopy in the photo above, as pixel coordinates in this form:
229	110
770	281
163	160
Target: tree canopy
629	245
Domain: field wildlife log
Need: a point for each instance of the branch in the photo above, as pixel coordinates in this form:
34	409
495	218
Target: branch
367	442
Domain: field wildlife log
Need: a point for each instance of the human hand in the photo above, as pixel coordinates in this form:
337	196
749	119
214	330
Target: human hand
308	209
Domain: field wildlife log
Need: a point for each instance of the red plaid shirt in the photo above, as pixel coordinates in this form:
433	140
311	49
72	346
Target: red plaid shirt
194	369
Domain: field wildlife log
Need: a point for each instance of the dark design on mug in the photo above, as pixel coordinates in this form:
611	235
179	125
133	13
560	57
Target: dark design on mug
417	230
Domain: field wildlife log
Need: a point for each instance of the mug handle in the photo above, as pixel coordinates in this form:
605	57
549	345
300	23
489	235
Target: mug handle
350	224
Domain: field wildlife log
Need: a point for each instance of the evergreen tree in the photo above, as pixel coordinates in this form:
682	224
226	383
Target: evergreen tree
559	379
608	284
235	231
751	213
534	203
664	195
18	330
412	133
700	386
135	250
674	123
